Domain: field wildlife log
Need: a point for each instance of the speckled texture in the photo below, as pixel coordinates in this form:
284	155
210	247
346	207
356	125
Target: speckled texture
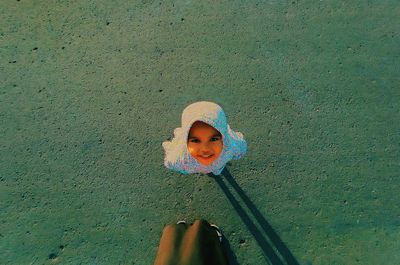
90	90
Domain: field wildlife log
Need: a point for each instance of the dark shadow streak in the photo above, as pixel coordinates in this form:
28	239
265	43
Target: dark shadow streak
285	253
272	235
266	248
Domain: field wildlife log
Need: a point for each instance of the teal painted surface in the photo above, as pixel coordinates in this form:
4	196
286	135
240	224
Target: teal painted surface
90	90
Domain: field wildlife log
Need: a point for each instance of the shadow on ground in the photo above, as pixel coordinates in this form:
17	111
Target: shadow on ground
275	251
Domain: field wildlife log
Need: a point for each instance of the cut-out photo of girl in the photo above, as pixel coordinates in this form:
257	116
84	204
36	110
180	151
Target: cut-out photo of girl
205	142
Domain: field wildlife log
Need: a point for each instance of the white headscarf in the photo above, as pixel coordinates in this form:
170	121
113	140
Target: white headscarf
177	156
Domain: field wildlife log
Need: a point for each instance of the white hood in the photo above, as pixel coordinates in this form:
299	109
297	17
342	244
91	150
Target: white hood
177	156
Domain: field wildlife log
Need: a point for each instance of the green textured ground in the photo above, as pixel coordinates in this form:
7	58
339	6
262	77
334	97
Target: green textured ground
90	90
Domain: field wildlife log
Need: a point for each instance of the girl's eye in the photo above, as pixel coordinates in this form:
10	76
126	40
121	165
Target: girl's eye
212	139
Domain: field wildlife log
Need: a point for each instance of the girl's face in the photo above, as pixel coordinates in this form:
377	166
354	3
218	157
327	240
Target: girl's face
204	143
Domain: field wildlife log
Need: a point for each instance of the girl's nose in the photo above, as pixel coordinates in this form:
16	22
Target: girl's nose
206	150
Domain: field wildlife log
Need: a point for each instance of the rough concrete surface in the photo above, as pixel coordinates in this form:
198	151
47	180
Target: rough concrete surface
91	89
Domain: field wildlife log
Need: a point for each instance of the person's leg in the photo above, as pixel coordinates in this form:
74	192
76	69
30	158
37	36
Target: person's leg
201	246
195	245
170	243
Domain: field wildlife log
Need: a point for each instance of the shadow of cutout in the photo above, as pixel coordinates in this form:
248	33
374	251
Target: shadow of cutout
275	251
